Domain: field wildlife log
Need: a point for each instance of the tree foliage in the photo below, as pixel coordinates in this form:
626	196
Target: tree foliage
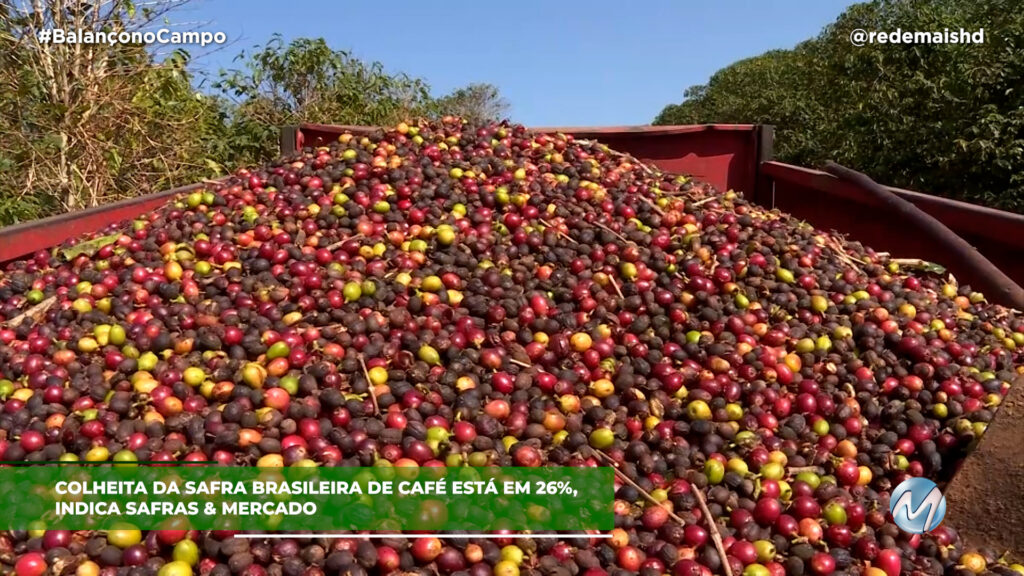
280	84
946	119
87	124
475	103
80	126
307	81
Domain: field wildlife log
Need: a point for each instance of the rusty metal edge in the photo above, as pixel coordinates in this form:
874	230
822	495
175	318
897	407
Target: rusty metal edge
996	225
583	131
336	128
645	130
289	139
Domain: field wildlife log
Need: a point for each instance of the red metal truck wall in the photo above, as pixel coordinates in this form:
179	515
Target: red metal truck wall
725	155
23	239
829	203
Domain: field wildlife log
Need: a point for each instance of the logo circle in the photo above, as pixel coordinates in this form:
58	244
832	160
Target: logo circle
917	505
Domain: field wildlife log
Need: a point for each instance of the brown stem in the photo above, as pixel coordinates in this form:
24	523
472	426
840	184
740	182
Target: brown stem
559	232
799	469
657	209
617	235
632	159
981	270
912	262
837	247
716	536
701	201
338	244
373	394
647	495
616	286
337	326
33	312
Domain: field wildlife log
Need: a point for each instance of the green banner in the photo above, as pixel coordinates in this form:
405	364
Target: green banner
336	498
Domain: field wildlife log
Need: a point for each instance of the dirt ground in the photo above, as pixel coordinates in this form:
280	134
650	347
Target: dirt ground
985	499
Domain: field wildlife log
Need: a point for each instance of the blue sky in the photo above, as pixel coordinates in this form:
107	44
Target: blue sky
562	63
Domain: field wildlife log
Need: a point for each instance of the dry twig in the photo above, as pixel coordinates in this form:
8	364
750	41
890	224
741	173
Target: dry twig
616	286
373	394
657	209
701	202
338	244
559	232
617	235
647	495
34	312
632	159
716	536
798	469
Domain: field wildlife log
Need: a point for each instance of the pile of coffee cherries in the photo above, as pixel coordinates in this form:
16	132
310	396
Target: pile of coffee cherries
442	294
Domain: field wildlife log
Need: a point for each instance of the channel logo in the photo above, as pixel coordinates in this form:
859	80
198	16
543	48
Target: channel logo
917	505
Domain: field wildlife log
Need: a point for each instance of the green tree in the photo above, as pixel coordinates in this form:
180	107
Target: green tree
772	88
85	126
307	81
946	119
79	127
475	103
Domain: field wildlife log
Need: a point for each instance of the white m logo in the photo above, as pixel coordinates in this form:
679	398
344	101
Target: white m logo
932	502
